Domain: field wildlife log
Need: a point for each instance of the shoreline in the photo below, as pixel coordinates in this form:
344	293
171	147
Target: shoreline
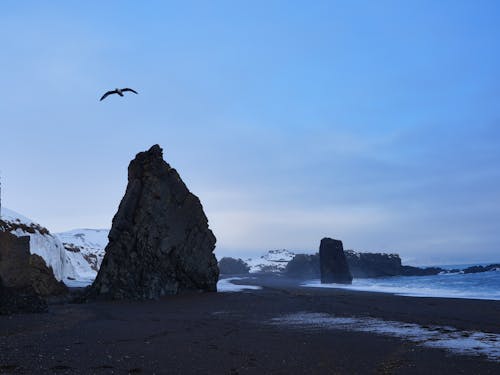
270	279
246	332
393	291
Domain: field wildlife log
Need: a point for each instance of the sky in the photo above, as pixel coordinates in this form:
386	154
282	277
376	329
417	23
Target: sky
376	123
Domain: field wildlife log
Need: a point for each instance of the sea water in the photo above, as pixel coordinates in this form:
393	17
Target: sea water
483	285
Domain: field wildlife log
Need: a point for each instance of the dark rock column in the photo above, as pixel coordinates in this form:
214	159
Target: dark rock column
333	263
159	242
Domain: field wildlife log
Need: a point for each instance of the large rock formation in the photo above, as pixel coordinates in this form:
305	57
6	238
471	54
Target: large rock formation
159	242
333	263
21	270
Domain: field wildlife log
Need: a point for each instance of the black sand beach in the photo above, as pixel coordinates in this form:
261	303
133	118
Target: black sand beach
230	333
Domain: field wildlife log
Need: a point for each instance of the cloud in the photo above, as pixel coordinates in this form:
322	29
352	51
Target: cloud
291	228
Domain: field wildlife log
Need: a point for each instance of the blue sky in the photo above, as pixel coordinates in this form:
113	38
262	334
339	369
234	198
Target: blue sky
377	123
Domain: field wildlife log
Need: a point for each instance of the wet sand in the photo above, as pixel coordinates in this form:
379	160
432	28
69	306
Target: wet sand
231	333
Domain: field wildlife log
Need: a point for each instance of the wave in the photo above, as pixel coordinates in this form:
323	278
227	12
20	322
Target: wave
485	285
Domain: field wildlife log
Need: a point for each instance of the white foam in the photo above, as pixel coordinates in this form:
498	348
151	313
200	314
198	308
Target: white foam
449	338
225	285
370	285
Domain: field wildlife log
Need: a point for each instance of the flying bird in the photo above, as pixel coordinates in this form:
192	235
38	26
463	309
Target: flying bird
117	91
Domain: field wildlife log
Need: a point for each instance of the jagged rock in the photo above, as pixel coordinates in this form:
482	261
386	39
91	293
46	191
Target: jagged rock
418	271
232	266
333	263
20	270
159	242
476	269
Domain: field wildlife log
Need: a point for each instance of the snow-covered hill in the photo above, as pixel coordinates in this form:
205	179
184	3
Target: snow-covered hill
272	261
42	243
85	249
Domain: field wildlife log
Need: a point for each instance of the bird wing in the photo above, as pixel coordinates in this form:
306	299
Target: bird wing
107	94
128	89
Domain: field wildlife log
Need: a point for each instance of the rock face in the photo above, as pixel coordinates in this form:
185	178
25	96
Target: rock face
304	266
159	242
41	242
23	271
232	266
333	263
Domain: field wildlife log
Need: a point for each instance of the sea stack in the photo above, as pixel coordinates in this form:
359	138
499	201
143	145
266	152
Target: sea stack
159	242
333	263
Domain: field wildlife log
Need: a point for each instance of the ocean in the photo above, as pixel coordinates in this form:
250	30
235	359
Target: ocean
483	285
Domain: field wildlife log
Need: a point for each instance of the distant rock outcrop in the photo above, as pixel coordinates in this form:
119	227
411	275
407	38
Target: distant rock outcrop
419	271
232	266
304	266
361	265
373	264
159	242
333	263
476	269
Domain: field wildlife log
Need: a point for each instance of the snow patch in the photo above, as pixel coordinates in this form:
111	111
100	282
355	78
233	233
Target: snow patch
81	283
85	250
42	243
272	261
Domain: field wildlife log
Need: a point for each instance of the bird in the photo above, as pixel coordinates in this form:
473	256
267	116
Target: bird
117	91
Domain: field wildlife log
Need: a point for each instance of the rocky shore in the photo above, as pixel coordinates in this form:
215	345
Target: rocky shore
237	333
159	260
